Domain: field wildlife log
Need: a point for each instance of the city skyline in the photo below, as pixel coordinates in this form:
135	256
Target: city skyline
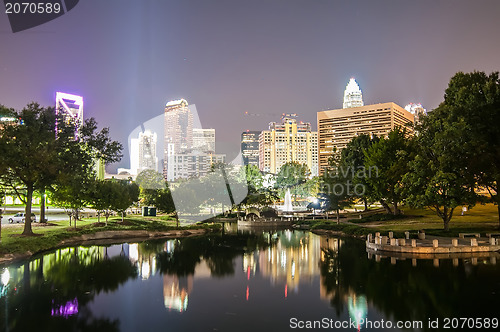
239	57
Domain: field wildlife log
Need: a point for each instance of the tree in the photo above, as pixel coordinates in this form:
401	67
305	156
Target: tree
389	159
353	158
29	152
474	98
336	184
35	158
150	179
126	195
291	176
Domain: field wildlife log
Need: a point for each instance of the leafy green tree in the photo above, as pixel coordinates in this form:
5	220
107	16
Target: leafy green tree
353	159
474	99
253	177
388	159
126	195
150	179
35	158
291	176
336	183
30	154
160	198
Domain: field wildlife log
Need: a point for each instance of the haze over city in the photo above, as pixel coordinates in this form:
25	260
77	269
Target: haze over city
128	58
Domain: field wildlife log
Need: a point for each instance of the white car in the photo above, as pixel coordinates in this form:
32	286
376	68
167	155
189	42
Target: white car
20	217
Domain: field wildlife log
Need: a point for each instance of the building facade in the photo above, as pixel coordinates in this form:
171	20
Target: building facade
178	126
191	164
204	140
147	151
288	141
337	127
250	147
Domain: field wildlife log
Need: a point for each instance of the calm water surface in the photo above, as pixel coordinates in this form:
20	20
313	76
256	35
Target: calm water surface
240	281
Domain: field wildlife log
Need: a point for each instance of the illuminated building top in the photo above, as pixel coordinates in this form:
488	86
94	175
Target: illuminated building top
352	95
179	103
71	108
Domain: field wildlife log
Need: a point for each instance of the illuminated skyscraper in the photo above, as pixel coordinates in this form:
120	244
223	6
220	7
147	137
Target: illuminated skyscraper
71	108
178	126
286	142
352	95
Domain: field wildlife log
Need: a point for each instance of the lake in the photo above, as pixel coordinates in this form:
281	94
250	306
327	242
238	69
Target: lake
272	280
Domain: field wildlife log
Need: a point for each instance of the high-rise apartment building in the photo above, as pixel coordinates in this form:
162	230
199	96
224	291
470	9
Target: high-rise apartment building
337	127
204	140
288	141
250	147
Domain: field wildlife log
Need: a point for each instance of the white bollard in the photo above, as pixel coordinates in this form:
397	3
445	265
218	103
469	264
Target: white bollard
473	242
454	242
435	243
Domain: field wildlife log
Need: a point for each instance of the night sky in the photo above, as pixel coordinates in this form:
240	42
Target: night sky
265	57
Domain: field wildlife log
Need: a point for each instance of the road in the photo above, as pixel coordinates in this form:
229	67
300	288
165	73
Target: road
52	214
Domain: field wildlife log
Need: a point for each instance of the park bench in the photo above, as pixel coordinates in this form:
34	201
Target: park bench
464	235
492	234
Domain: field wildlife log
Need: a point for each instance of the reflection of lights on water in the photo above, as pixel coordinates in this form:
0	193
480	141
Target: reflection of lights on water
5	276
248	292
145	270
358	309
286	290
178	303
283	259
293	269
65	310
133	252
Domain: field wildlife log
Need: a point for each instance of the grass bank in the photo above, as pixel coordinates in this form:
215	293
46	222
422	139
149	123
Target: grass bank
50	235
480	219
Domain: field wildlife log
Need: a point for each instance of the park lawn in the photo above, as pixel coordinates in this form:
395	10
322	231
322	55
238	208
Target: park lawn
481	218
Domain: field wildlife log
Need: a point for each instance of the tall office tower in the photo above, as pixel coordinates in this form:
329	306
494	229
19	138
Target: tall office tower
337	127
250	147
178	125
71	108
417	110
352	95
178	131
147	151
288	141
204	140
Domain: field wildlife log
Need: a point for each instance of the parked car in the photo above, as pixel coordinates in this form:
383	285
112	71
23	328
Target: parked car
20	217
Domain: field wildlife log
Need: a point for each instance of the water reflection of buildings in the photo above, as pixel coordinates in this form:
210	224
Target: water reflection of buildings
176	290
292	257
357	304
